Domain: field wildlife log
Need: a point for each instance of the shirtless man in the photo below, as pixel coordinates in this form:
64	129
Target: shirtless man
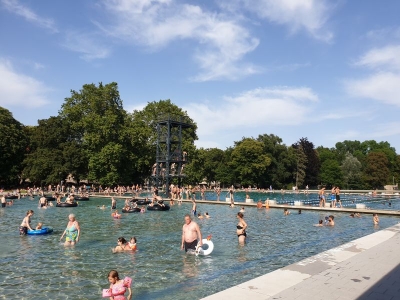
42	202
191	234
337	191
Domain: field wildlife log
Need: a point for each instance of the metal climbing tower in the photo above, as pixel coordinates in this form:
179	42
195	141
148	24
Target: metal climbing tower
170	158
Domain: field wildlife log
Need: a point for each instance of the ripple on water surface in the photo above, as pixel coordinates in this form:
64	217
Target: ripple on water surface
40	267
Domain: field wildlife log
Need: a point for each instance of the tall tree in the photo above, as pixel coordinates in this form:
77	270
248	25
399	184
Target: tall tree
313	163
249	161
301	166
98	120
13	146
331	173
376	173
278	173
53	153
352	171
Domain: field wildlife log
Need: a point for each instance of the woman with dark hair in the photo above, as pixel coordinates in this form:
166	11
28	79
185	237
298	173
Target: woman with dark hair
122	245
241	228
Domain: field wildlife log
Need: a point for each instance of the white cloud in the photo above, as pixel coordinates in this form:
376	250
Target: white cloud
222	41
15	7
308	15
86	44
384	84
255	108
386	129
387	58
20	90
386	34
384	87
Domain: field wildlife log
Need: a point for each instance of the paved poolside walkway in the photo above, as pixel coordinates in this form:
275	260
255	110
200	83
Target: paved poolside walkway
366	268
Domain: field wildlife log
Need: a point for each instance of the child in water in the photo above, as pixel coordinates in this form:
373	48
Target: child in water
132	244
118	287
39	226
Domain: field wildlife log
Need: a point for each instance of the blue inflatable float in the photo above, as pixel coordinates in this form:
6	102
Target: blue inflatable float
44	230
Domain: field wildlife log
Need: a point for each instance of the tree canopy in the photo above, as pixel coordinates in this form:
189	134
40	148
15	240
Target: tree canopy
94	138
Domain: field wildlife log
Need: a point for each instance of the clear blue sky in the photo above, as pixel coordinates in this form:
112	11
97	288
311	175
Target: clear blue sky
325	70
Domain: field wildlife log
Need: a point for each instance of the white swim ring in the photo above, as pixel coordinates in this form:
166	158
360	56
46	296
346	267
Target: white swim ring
206	249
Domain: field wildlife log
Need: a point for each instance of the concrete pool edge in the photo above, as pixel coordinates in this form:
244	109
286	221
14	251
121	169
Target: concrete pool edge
275	283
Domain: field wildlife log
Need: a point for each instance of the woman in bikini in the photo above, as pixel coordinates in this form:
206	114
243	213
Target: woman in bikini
241	229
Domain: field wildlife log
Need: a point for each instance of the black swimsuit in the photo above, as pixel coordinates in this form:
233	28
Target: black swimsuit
244	232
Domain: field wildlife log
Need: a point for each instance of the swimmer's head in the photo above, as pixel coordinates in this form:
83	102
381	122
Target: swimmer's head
113	276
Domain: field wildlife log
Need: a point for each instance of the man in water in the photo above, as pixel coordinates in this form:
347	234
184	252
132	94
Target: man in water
191	234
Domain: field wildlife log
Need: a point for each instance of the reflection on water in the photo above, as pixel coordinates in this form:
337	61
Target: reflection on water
159	269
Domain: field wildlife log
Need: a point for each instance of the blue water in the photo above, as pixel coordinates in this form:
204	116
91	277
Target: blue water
40	267
348	200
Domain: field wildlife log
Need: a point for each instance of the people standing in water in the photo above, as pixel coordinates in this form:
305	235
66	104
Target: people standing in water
320	223
231	194
267	203
132	243
123	245
25	225
331	221
42	202
191	235
118	287
259	204
113	203
72	232
375	219
3	201
337	192
241	228
116	215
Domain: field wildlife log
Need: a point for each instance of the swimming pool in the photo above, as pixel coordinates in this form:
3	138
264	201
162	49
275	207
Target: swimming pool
349	200
40	267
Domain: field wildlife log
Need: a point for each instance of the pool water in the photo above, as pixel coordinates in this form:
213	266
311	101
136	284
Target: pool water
40	267
348	200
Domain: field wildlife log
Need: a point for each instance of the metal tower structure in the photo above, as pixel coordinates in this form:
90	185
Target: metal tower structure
170	159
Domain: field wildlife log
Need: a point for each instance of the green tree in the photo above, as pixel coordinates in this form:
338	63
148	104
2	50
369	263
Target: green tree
301	165
249	161
278	173
53	153
352	171
376	173
100	125
331	173
13	146
206	163
224	172
313	162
